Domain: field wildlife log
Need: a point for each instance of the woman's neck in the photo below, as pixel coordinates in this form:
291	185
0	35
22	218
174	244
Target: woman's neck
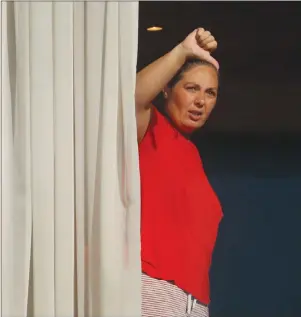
186	135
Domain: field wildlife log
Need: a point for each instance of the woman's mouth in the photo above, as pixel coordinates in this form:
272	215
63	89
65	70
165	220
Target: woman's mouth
195	115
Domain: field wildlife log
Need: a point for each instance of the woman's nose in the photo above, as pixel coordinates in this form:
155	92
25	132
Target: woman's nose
200	102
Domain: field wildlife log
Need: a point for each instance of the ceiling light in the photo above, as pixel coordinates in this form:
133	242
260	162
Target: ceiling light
154	28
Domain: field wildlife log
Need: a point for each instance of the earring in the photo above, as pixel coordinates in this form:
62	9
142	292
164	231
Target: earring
165	95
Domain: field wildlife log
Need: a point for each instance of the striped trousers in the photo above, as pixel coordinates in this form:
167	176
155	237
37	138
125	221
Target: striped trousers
163	299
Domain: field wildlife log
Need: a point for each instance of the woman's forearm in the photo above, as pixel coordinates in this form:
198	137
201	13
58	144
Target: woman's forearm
151	80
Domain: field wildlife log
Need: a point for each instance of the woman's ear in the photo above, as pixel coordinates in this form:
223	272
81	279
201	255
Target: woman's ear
166	92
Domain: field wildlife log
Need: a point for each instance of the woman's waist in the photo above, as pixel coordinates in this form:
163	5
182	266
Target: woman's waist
181	240
171	264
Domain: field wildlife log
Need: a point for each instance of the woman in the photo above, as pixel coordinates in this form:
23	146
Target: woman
180	212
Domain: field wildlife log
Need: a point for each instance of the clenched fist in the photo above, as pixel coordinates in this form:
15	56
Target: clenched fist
200	43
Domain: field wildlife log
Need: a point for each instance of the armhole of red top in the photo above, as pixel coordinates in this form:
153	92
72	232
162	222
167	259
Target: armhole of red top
153	116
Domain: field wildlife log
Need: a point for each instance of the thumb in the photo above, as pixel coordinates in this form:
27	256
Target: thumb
207	57
213	61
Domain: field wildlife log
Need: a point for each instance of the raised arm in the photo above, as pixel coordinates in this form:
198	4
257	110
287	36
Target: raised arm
152	79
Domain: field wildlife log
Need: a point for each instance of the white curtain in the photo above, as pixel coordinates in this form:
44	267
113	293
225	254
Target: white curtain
70	191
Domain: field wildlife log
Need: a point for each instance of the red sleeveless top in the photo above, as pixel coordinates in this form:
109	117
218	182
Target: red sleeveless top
180	211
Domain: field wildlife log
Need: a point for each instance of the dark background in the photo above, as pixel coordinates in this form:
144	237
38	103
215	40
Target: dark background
251	146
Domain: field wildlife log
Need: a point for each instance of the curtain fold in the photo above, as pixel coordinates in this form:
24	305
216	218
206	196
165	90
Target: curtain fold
69	159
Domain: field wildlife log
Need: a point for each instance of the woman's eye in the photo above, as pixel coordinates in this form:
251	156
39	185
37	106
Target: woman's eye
212	93
191	88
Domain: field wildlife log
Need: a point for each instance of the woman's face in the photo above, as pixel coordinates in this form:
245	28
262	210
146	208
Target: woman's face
191	100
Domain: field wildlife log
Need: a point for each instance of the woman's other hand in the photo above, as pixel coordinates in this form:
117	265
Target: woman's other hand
200	43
